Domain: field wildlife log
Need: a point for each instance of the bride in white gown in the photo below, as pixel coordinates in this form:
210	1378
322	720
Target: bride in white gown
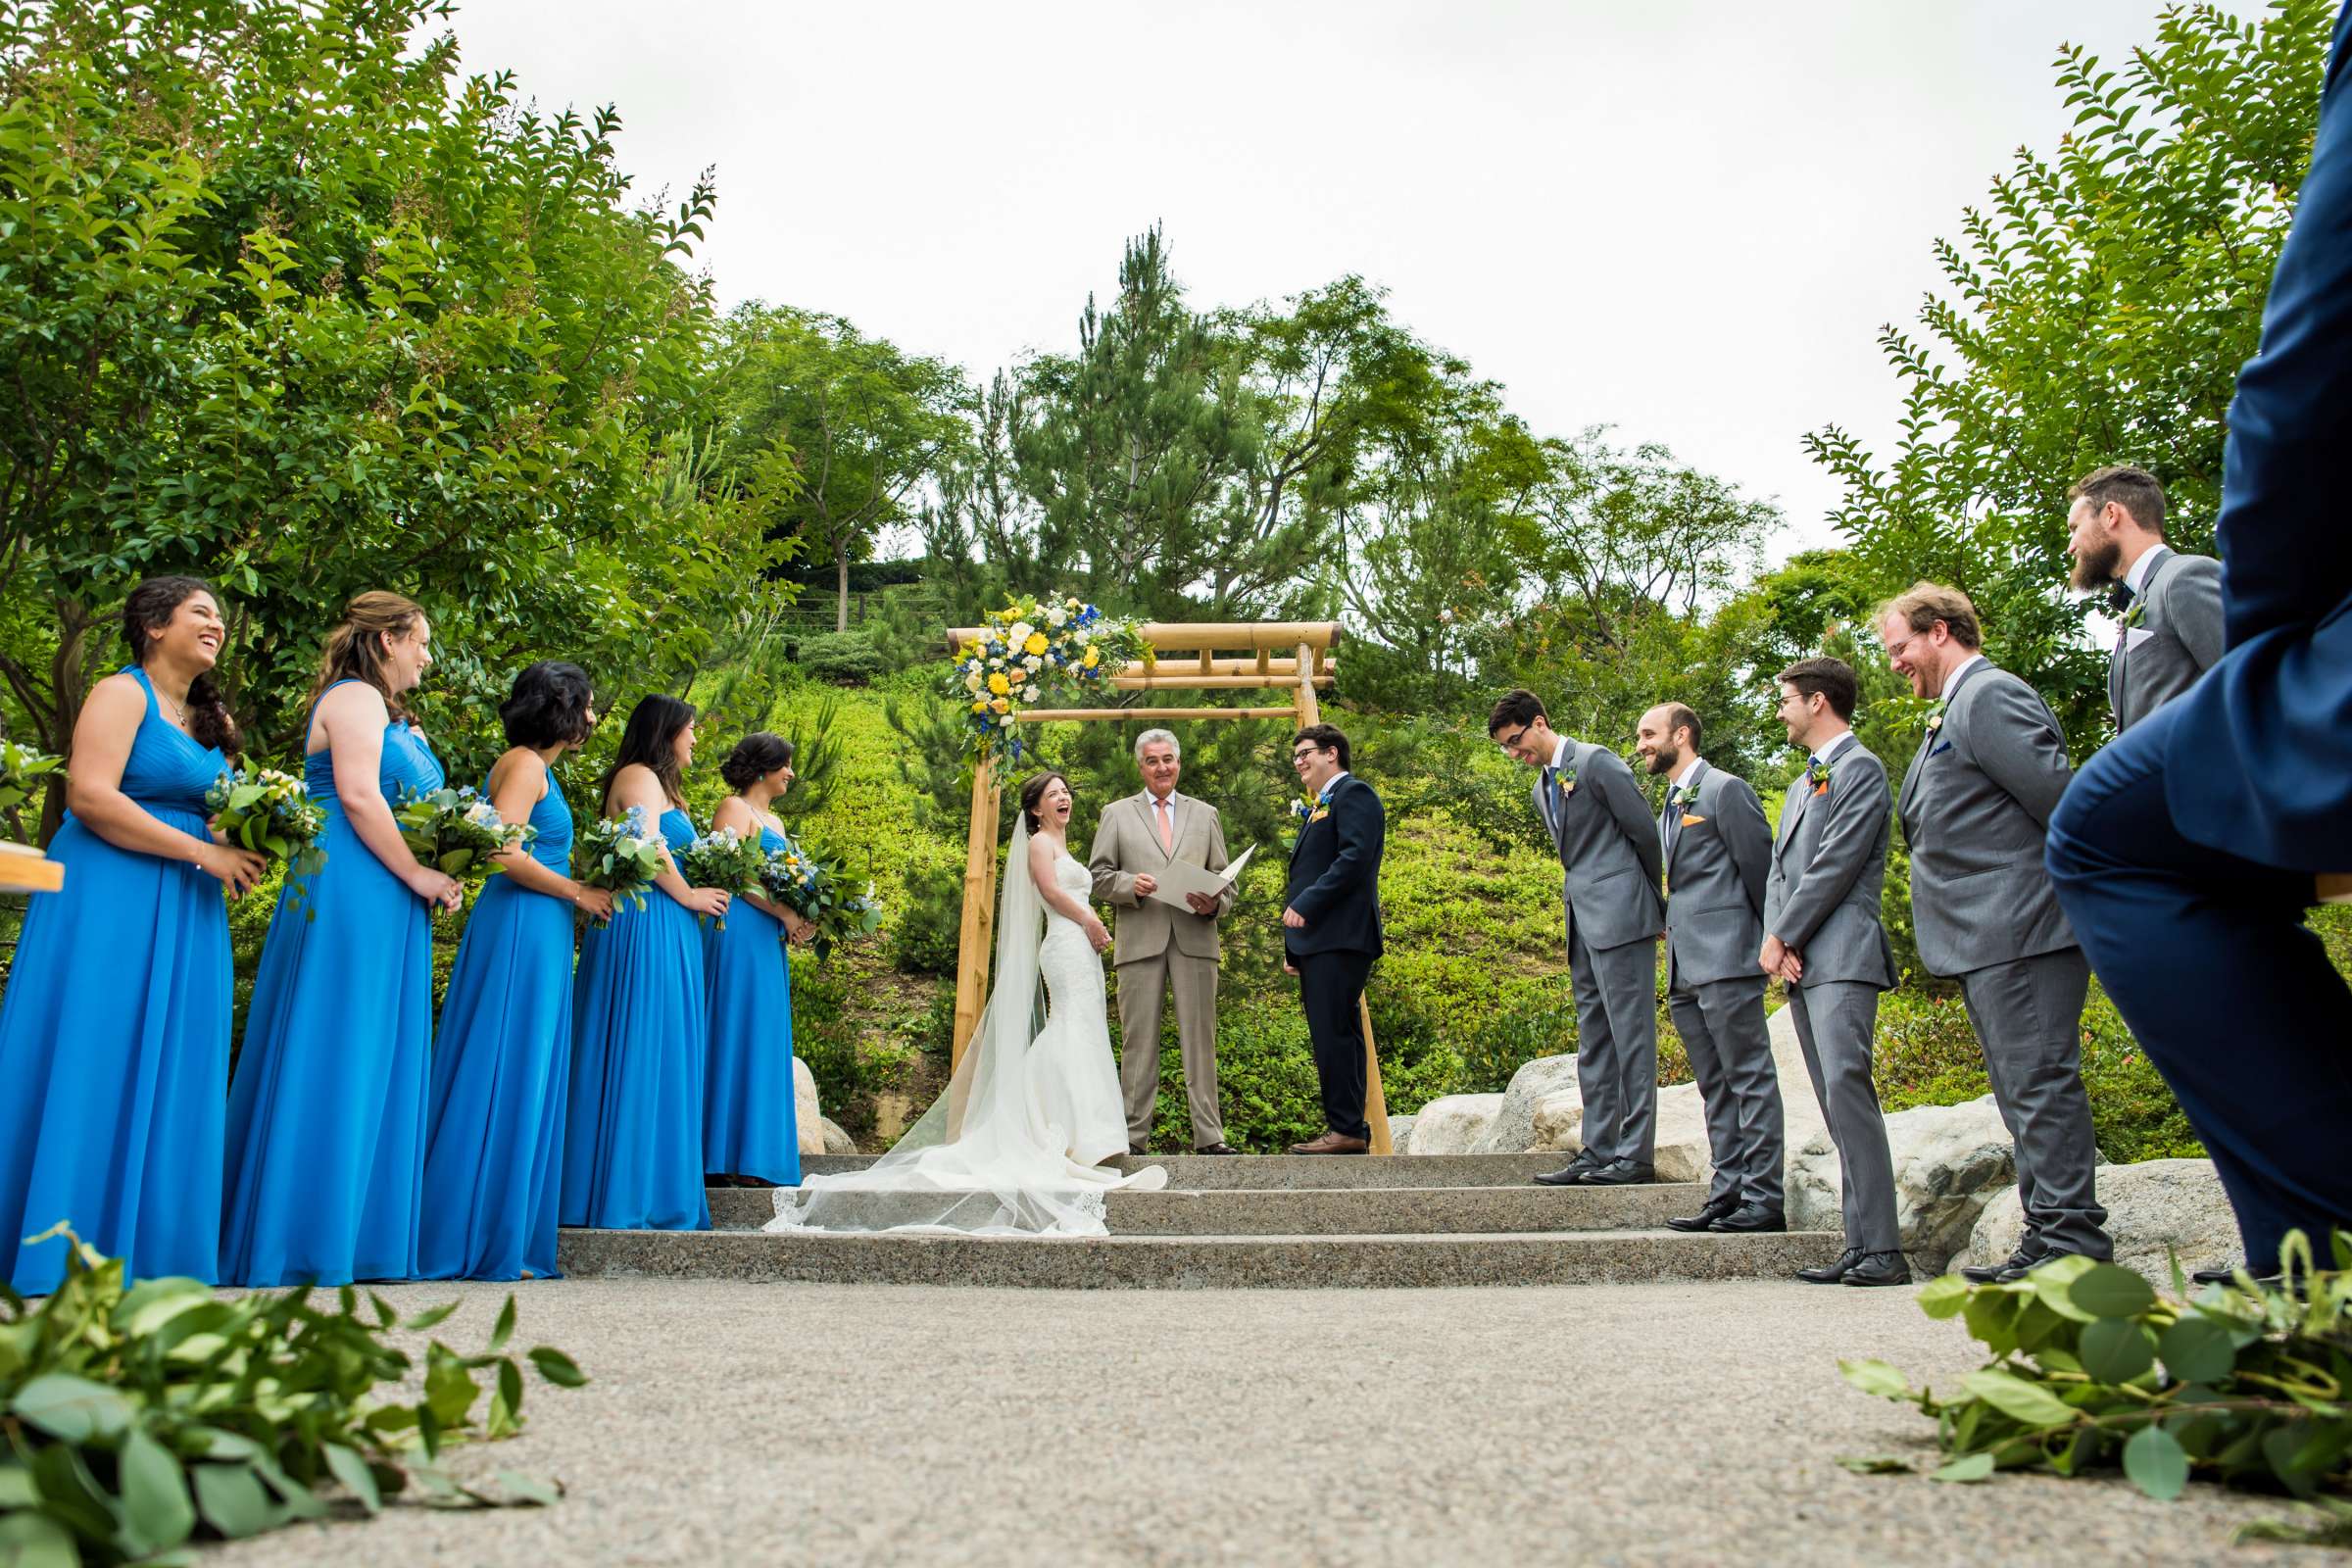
1015	1145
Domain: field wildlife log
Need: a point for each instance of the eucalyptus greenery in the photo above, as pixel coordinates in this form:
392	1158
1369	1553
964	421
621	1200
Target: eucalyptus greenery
134	1420
24	770
2249	1383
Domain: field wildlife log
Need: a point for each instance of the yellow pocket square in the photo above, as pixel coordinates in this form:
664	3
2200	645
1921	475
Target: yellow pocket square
1692	821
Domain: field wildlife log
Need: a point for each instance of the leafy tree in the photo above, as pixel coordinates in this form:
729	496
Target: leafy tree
860	424
2099	308
291	305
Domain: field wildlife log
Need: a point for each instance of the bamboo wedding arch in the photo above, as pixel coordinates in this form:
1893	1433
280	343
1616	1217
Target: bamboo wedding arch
1293	656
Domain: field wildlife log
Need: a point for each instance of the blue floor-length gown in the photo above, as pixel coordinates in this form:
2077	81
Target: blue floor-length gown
633	1122
493	1158
326	1113
748	1121
113	1040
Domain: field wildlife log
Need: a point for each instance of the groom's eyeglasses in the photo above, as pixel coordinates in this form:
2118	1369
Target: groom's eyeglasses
1510	743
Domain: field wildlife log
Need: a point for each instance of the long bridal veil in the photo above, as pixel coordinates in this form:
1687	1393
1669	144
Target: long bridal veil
982	1160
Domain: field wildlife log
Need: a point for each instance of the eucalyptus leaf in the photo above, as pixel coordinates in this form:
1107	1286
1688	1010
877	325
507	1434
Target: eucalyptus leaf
2018	1399
2117	1349
557	1368
35	1541
2196	1350
72	1408
155	1492
1875	1464
1875	1377
233	1502
2155	1463
2108	1291
351	1471
1969	1467
531	1491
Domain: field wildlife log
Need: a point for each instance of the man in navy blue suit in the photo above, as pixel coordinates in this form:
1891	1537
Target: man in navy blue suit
2186	853
1330	928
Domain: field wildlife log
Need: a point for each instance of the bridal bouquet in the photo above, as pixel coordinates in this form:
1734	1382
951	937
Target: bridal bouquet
457	831
1029	648
620	854
271	813
724	858
813	888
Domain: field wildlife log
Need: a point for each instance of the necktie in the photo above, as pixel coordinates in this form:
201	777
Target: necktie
1167	825
1674	817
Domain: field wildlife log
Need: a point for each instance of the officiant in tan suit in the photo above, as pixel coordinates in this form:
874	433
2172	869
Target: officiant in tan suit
1162	948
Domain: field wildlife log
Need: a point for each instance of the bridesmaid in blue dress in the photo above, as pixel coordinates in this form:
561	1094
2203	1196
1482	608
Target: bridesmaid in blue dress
633	1138
326	1112
750	1136
493	1156
113	1032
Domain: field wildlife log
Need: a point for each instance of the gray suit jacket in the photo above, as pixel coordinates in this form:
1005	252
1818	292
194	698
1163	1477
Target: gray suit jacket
1715	882
2179	607
1127	844
1608	845
1829	866
1976	806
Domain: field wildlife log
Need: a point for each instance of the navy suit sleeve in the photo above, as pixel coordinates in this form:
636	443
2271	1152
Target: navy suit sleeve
2283	561
1362	827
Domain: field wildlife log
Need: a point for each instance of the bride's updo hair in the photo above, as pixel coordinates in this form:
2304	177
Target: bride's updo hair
1035	791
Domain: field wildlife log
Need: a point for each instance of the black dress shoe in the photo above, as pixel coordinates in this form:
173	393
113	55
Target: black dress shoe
1217	1149
1879	1268
1750	1217
1831	1273
1573	1173
2215	1276
1621	1173
1709	1212
1138	1149
1991	1273
2018	1270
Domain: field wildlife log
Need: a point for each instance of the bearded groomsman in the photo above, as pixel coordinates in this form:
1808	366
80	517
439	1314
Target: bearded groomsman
1715	846
1162	949
2169	605
1976	806
1609	873
1825	938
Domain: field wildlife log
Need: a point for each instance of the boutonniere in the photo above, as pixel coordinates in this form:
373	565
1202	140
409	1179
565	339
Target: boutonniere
1817	774
2136	614
1936	716
1566	779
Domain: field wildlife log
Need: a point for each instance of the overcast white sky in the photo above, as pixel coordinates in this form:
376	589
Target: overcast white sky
1685	220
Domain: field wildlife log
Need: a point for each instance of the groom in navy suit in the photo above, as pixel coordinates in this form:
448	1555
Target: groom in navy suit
1330	928
2186	852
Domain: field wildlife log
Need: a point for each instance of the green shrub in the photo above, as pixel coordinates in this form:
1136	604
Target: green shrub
845	659
924	938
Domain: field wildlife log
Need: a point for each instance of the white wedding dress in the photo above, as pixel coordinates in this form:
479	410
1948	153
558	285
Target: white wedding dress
1015	1145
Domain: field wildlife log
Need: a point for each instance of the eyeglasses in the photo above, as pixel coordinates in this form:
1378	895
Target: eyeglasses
1894	650
1303	753
1510	743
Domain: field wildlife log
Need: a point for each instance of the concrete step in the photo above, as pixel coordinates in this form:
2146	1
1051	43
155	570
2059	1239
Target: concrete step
1187	1262
1326	1211
1201	1173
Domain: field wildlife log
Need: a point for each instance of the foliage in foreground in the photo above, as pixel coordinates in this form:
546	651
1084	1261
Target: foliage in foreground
134	1420
2246	1385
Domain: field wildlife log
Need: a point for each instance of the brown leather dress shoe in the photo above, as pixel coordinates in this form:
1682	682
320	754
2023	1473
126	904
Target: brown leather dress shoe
1332	1142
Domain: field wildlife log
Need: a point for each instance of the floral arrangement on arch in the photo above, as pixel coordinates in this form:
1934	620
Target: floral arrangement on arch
1030	648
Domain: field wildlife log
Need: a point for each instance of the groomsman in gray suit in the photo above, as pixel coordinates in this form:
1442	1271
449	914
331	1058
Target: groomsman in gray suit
2167	606
1609	871
1715	845
1826	941
1976	806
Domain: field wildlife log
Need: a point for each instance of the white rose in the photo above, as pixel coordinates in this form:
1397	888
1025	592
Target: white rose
1029	694
1085	639
1020	633
1058	618
974	682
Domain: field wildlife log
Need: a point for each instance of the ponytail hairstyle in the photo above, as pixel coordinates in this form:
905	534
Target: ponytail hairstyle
1033	793
755	755
149	609
355	649
650	741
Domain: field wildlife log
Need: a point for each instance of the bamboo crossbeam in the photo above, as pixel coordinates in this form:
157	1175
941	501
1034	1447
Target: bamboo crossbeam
1040	716
23	869
1180	637
1187	681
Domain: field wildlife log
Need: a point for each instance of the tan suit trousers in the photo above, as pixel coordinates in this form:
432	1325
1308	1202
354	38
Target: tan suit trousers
1143	984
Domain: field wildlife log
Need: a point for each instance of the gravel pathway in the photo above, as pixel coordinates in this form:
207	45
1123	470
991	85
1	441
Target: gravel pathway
1697	1423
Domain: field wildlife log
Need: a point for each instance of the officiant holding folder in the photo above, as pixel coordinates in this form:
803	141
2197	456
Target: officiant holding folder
1159	946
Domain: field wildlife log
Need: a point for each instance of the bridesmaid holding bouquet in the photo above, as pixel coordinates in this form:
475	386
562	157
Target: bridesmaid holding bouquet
113	1033
749	1128
326	1113
633	1139
493	1160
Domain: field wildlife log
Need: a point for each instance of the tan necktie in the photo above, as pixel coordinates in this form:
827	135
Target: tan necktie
1168	823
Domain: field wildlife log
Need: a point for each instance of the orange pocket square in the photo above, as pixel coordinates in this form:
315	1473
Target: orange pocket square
1692	821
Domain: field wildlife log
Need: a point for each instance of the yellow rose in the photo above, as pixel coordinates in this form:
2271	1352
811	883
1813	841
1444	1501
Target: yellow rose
999	684
1093	657
1000	705
1036	643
